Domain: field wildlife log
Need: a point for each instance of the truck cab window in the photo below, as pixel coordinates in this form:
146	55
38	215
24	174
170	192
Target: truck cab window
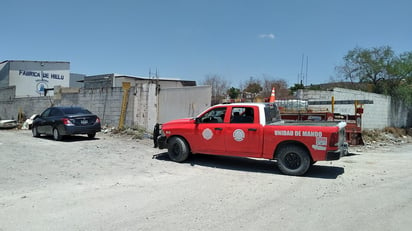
242	115
272	114
216	115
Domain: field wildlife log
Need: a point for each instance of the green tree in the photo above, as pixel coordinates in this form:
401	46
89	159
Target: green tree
400	85
369	66
296	87
233	92
381	69
253	86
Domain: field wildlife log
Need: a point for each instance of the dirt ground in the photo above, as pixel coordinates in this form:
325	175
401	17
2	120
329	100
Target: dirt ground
118	183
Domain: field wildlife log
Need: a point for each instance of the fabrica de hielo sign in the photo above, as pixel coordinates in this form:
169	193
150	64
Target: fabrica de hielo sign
34	82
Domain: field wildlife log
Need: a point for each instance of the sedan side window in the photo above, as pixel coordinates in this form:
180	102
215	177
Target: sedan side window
55	112
46	113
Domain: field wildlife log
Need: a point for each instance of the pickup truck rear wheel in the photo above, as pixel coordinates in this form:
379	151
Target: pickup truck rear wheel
293	160
178	149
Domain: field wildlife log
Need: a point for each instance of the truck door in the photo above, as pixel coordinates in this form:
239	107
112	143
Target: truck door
209	137
243	133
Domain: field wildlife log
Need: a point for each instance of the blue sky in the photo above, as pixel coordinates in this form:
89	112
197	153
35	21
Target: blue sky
190	39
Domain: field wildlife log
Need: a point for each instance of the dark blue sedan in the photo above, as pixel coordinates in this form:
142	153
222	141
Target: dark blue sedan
63	121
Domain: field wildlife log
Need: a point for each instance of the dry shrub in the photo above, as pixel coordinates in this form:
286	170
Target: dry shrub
396	132
371	135
384	135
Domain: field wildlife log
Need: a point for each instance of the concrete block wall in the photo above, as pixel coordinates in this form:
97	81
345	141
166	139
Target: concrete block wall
107	104
376	116
10	106
143	109
7	93
104	102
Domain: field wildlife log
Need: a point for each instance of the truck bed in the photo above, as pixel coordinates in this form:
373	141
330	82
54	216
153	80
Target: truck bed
308	123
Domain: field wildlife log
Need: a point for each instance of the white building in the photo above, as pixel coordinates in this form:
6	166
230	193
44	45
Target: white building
34	78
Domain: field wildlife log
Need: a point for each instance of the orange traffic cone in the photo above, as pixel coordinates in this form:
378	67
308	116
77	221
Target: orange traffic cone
272	96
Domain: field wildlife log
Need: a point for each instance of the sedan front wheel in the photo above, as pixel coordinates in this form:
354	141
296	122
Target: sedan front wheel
35	132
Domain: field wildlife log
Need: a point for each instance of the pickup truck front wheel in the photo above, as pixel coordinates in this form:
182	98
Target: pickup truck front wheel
178	149
293	160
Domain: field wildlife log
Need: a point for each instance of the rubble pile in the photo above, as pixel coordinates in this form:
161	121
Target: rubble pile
377	138
133	133
389	135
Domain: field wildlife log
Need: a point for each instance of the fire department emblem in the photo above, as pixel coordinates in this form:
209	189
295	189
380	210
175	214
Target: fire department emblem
207	134
239	135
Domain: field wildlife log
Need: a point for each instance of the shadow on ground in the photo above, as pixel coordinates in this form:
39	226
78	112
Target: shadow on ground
252	165
74	138
351	154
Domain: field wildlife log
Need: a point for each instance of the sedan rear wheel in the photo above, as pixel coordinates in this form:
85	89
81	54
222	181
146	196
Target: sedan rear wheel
56	134
91	135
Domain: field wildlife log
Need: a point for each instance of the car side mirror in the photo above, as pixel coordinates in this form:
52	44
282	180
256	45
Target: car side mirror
197	120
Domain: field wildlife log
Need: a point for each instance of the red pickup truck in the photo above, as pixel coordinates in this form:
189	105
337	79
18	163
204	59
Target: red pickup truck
254	130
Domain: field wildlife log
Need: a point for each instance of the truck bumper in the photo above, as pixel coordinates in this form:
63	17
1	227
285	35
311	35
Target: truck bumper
336	155
161	142
159	139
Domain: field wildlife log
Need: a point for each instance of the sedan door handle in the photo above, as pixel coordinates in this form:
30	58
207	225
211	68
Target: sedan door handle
219	129
252	129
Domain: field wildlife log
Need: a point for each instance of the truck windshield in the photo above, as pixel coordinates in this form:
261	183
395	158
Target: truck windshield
272	113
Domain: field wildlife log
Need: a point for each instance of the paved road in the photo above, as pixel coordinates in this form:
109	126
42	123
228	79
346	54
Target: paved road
116	183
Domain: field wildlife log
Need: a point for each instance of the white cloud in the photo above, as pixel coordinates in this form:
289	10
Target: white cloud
269	36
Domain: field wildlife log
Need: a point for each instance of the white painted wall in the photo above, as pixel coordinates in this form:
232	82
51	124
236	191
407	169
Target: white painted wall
375	116
176	103
33	82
